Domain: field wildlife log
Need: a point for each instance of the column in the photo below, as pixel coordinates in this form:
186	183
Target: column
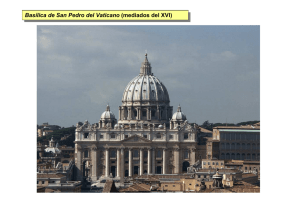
176	160
149	161
118	163
129	113
79	163
139	113
130	163
122	174
120	113
193	156
153	160
141	161
164	161
106	162
94	163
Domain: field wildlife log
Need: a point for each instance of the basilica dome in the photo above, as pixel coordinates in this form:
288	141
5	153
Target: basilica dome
179	115
107	114
145	88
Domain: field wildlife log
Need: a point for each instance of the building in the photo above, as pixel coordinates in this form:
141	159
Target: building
238	143
146	139
212	164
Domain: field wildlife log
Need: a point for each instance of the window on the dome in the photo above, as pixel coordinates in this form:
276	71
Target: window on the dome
145	136
170	137
144	113
86	135
158	136
112	136
101	136
135	113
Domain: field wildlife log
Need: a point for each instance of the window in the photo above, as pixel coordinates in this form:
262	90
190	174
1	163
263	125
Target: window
186	135
126	154
112	161
144	113
204	163
135	153
152	113
173	185
227	146
221	164
158	136
217	163
222	145
170	137
101	136
86	153
145	154
213	163
43	182
145	136
126	136
158	154
112	136
86	135
166	185
186	154
208	163
112	153
135	113
37	182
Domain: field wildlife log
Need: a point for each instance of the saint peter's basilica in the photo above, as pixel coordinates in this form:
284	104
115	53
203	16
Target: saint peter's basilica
148	138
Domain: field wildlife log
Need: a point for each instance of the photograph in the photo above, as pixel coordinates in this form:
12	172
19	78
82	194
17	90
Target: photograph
148	108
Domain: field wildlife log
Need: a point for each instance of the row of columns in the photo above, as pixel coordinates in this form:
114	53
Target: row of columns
126	113
120	162
151	162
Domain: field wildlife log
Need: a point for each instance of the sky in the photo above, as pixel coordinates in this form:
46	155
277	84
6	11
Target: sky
213	72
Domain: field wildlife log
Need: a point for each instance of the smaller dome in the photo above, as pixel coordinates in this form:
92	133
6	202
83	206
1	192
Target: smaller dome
160	126
107	114
178	115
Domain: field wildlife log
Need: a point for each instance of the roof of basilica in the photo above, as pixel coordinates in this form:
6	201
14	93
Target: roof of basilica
145	87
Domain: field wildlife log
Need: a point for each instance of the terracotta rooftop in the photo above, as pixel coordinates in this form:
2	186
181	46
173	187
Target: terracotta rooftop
50	175
137	187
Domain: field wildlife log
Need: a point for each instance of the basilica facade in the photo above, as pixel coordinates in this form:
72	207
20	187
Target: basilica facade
148	138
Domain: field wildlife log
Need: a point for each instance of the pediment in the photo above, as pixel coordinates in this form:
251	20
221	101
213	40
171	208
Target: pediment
136	139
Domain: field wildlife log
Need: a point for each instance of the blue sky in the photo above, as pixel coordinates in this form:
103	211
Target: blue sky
213	72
